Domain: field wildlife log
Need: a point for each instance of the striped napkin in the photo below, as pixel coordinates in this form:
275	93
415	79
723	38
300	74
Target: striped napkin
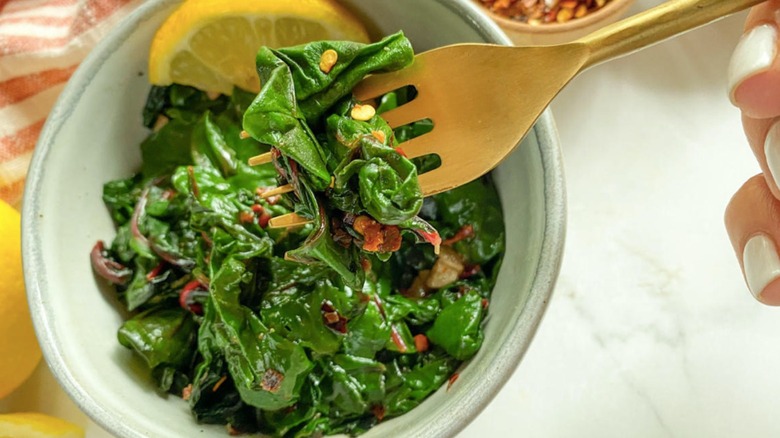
41	44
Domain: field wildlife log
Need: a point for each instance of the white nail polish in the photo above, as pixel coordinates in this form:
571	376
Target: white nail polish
755	52
760	262
772	151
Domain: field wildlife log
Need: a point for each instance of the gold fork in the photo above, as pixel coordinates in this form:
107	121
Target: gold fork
483	99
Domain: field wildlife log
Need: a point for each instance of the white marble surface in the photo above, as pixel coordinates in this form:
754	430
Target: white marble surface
651	332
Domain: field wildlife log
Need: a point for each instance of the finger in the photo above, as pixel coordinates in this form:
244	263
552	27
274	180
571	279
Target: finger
753	224
754	70
754	75
764	138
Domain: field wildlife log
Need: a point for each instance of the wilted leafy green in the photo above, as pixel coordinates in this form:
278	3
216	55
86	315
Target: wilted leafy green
298	332
349	166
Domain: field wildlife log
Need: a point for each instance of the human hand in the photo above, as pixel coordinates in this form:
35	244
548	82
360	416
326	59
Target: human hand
753	215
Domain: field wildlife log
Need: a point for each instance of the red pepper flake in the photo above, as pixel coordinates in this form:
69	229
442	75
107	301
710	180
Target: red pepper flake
391	238
401	151
371	231
246	217
379	135
272	380
377	237
464	232
219	383
452	380
263	220
379	412
185	299
485	303
332	318
262	216
373	241
232	431
421	343
362	223
155	271
539	12
186	392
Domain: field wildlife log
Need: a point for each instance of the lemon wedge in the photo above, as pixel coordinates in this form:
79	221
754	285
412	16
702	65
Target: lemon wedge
211	44
19	351
33	425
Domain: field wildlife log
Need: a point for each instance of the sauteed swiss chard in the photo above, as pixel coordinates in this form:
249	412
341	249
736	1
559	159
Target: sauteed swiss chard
327	328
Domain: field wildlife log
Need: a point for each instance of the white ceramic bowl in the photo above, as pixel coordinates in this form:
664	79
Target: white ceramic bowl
92	136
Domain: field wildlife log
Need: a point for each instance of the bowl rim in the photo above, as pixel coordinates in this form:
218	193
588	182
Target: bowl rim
37	286
610	9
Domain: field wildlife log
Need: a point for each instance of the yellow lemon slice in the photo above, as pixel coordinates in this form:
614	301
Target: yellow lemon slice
211	44
32	425
19	351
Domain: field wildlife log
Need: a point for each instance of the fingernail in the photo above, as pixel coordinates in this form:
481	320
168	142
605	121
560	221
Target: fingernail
760	262
772	152
754	53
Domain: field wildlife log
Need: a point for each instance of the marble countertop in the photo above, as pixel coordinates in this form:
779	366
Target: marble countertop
651	331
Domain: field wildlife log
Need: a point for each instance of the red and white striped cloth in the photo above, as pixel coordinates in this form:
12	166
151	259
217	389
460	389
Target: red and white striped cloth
41	44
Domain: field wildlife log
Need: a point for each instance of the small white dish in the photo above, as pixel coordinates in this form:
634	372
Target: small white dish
92	137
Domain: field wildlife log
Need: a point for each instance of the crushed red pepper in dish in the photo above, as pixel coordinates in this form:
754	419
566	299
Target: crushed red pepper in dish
537	12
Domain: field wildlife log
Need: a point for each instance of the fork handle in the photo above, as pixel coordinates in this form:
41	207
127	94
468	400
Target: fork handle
655	25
